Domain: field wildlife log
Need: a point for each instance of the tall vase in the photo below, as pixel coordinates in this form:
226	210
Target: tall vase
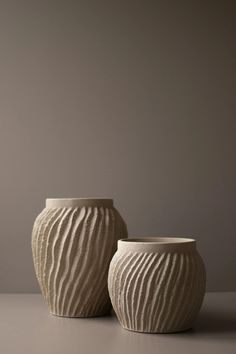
73	241
156	285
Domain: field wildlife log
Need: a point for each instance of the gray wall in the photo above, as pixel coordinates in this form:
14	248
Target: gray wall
130	100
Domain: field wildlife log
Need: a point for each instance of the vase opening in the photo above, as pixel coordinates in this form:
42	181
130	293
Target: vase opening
157	243
159	240
78	202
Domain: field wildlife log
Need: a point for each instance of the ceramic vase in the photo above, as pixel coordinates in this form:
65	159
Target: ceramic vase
73	241
156	285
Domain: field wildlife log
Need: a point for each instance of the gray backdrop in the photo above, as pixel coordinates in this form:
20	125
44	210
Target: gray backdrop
132	100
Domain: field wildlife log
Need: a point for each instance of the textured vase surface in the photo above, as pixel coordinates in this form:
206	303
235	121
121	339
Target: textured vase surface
157	285
73	241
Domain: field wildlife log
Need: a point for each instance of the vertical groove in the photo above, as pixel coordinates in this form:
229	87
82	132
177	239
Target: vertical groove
92	277
179	291
91	257
71	261
161	288
149	284
40	236
171	271
76	271
106	255
41	244
39	229
53	254
169	316
114	280
188	299
63	247
153	290
78	300
46	264
135	268
145	266
121	289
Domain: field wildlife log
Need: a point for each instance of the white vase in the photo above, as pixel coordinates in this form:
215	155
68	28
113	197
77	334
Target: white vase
73	241
156	285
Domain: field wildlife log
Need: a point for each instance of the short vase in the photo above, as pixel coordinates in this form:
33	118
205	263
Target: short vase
157	285
73	241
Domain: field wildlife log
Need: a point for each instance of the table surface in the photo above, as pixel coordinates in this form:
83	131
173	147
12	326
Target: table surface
26	327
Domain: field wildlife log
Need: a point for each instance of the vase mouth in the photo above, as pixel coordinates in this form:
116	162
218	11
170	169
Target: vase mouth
155	244
78	202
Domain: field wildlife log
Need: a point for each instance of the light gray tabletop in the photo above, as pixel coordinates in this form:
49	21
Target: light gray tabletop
26	327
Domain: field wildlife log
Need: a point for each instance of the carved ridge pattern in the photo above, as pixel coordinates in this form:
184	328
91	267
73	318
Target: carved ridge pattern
72	249
156	292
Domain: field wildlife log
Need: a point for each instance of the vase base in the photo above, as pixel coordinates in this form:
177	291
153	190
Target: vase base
186	329
104	314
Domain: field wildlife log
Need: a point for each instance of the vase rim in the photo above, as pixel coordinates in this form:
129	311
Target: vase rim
157	244
78	202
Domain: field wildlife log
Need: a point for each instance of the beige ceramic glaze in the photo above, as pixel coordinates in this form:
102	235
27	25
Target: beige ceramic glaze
73	241
156	285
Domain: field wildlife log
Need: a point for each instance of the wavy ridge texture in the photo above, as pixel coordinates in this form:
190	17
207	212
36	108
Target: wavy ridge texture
72	249
156	292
